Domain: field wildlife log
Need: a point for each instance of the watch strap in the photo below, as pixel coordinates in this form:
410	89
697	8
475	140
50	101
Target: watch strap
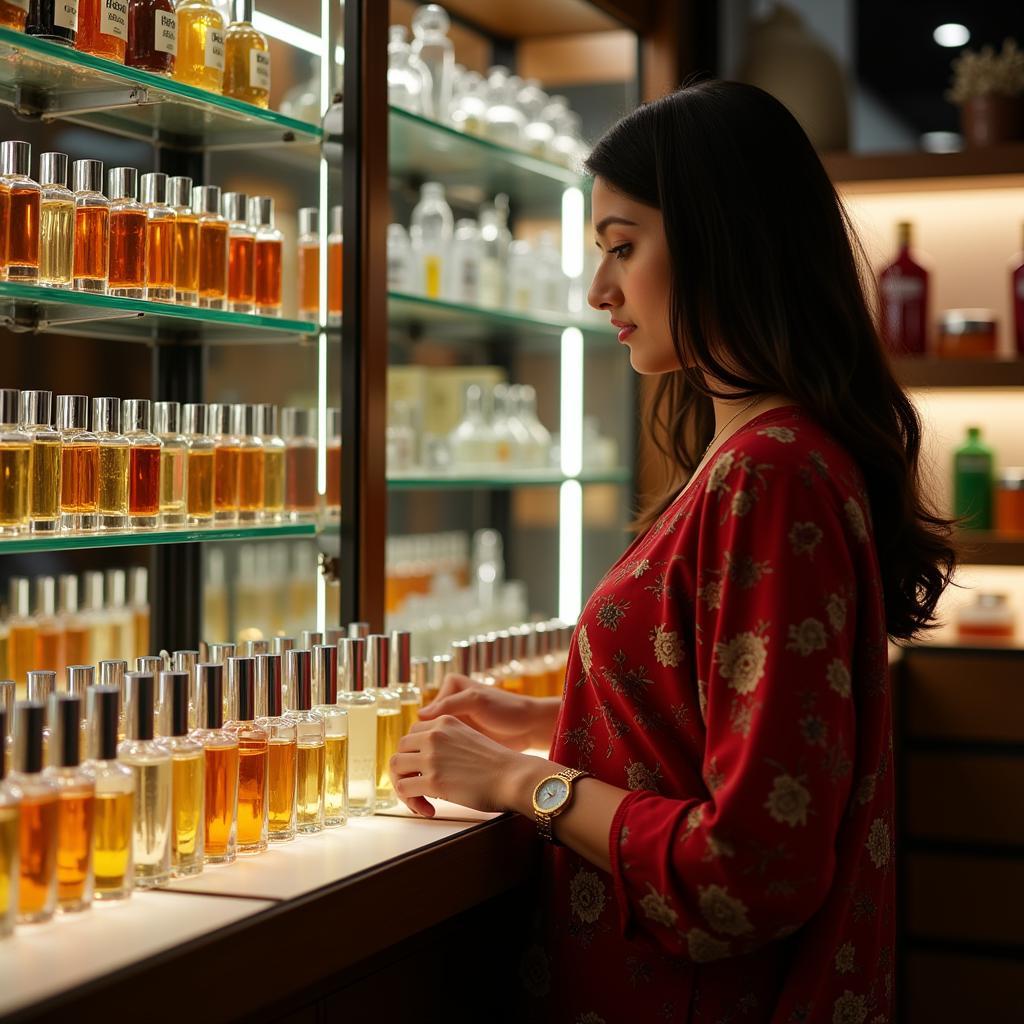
545	819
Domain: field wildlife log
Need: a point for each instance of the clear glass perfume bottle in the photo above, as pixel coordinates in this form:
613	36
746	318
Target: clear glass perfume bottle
310	739
462	283
174	451
246	58
504	122
44	461
251	476
335	716
21	631
213	246
300	493
15	466
78	680
400	264
309	263
23	212
112	508
525	398
10	836
114	809
127	268
267	256
361	704
431	235
431	45
241	243
92	227
199	474
408	79
389	715
186	241
75	806
77	649
187	775
253	757
274	449
473	443
56	222
161	224
119	616
409	694
282	754
151	762
79	464
227	449
143	465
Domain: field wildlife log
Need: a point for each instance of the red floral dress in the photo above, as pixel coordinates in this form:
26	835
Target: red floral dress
730	672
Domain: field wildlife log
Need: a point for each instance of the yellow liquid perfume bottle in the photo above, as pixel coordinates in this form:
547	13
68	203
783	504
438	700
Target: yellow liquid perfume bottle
389	715
21	633
410	696
335	716
309	727
79	473
246	58
226	452
200	57
138	603
15	469
75	628
283	755
186	241
253	755
112	498
173	463
49	635
273	463
187	776
56	222
199	472
119	617
10	834
251	475
361	705
44	461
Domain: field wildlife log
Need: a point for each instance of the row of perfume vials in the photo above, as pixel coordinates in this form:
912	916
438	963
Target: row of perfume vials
145	465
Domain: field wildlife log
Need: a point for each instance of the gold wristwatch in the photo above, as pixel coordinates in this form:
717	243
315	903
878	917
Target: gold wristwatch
551	796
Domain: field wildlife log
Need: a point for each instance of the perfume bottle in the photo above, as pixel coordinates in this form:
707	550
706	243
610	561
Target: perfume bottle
49	635
361	704
187	662
496	239
335	269
335	716
56	222
408	78
152	36
187	775
186	241
92	227
79	485
904	299
409	694
973	465
332	499
253	754
473	443
112	506
151	763
266	256
310	739
440	669
251	477
483	660
12	16
127	267
75	805
160	236
23	212
399	259
112	673
515	667
522	276
241	241
44	461
213	247
246	58
431	235
462	284
143	466
199	473
431	45
200	57
309	263
15	466
56	20
300	493
226	452
10	829
174	451
119	618
77	682
113	824
524	400
37	888
282	753
76	629
274	449
102	28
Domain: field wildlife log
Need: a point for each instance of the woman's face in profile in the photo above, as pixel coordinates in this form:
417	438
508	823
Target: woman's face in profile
633	279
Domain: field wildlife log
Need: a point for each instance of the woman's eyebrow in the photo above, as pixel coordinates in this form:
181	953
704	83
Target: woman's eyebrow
608	221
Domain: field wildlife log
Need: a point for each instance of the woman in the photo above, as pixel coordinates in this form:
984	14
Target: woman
729	855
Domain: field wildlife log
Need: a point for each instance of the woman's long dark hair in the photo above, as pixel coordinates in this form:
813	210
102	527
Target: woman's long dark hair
767	298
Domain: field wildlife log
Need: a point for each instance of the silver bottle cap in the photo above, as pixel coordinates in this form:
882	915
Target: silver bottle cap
300	689
41	683
112	673
309	220
64	714
185	661
150	664
283	644
206	199
29	718
268	681
35	408
106	415
72	412
179	191
221	418
420	671
80	678
211	691
243	420
87	175
242	686
261	211
175	688
122	183
68	585
253	648
359	630
333	635
325	674
104	709
20	598
401	657
462	657
138	586
352	663
309	638
135	414
10	399
378	659
16	157
117	588
140	702
46	596
335	220
219	653
53	169
233	206
154	188
8	690
266	419
166	417
196	419
297	422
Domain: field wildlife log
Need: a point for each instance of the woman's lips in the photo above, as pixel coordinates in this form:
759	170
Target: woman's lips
626	331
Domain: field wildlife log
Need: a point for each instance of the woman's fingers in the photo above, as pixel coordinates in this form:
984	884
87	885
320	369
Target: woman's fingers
457	704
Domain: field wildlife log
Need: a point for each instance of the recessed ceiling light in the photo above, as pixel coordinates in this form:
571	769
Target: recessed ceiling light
952	34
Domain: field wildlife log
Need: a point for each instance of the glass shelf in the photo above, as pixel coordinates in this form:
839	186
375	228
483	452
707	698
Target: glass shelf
473	169
499	482
139	538
32	308
53	82
459	322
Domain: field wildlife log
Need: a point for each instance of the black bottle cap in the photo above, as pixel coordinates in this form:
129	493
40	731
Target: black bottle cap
65	730
28	736
3	744
211	691
104	703
268	678
174	692
299	682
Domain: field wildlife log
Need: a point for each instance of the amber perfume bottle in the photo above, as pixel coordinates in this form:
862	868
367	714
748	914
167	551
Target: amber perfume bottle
334	267
49	636
310	739
143	465
35	411
241	243
10	829
309	263
23	212
56	222
250	464
226	452
273	462
199	471
187	775
246	58
282	753
213	247
389	715
152	36
300	463
160	228
200	57
186	241
253	754
92	227
126	275
409	694
56	20
12	16
15	466
79	473
77	650
103	28
332	499
335	716
138	604
112	509
173	463
220	751
267	258
361	704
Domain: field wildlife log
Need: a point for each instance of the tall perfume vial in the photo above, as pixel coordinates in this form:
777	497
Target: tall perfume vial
143	466
187	662
138	604
79	470
23	212
361	704
220	750
127	268
77	649
112	673
251	476
332	499
56	222
92	227
103	28
241	242
267	256
246	58
213	247
282	752
37	843
334	267
188	762
151	763
273	462
40	685
282	645
15	466
112	499
309	263
310	739
10	835
114	808
49	635
300	493
44	461
75	805
389	715
78	679
199	471
226	460
12	16
119	616
200	57
173	463
160	233
410	696
253	756
335	716
186	241
152	36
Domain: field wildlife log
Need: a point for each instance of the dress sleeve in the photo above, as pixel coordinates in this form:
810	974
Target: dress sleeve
751	857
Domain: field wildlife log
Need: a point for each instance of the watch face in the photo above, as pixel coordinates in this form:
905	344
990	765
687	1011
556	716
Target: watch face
552	793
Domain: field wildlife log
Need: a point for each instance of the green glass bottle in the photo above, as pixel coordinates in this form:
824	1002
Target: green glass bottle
972	482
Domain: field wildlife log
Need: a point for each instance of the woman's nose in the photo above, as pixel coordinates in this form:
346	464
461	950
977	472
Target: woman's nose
603	293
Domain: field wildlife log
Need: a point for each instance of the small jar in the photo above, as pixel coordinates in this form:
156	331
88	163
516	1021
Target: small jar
1010	501
990	620
967	334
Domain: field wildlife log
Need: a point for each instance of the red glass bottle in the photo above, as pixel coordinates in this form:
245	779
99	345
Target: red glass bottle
903	286
1017	287
152	36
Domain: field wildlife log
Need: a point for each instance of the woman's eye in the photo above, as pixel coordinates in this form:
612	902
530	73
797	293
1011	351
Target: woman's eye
620	252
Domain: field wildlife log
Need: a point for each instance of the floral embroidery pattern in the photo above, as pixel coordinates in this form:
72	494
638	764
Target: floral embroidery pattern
611	613
835	608
788	801
844	958
639	776
784	435
583	645
742	660
703	948
723	912
656	907
666	646
742	503
804	538
807	638
587	895
855	517
838	676
745	571
878	843
849	1009
719	471
711	595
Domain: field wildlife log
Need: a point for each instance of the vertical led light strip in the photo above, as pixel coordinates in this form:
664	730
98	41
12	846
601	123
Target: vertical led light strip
570	519
572	245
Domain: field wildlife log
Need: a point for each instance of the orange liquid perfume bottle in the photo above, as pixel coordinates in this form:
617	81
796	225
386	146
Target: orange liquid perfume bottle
92	227
23	212
143	465
199	474
226	452
35	411
186	241
267	259
21	632
103	28
334	267
160	238
273	462
12	16
250	464
112	511
300	493
213	247
246	58
49	635
309	263
77	650
56	222
126	272
241	242
253	755
282	754
79	475
15	466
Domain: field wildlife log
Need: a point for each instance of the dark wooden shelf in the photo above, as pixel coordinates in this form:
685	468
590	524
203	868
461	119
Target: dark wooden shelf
926	372
982	547
967	168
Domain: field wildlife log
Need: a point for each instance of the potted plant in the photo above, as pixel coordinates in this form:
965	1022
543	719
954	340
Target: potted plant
989	89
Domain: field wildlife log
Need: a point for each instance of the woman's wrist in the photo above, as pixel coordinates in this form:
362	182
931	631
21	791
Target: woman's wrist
545	712
517	783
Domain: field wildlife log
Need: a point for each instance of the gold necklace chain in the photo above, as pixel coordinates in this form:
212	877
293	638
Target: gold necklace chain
749	405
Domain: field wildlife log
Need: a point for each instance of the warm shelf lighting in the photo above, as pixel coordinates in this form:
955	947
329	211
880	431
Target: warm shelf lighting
952	35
